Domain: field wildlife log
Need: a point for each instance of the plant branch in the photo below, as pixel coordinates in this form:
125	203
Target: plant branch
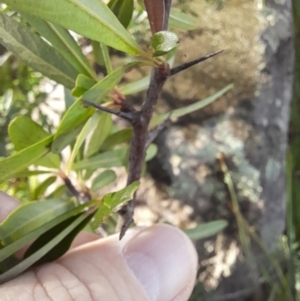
139	140
187	65
81	196
126	115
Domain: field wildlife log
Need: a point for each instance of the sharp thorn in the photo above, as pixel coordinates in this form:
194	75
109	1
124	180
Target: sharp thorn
125	218
187	65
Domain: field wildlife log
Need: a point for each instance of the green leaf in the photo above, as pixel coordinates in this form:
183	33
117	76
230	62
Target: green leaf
97	52
206	230
79	112
151	152
16	163
102	180
74	116
92	19
31	236
83	83
65	139
116	138
103	87
105	57
29	173
29	261
35	52
163	42
69	99
24	132
181	20
42	187
30	216
135	87
156	120
64	43
58	192
63	246
111	201
102	130
123	9
87	129
113	158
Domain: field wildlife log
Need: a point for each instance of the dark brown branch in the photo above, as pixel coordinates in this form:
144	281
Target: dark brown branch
70	186
126	115
139	140
187	65
81	196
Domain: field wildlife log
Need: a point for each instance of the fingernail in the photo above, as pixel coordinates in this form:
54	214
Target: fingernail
163	260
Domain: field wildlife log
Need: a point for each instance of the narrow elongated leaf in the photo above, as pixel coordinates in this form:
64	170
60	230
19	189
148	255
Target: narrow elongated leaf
135	87
30	216
116	138
105	57
8	263
31	236
113	158
16	163
98	55
151	152
103	87
65	139
92	19
83	83
68	98
206	230
123	9
78	112
100	133
74	116
182	20
29	173
111	201
58	192
42	187
63	246
35	52
28	262
102	180
88	127
156	120
24	132
64	43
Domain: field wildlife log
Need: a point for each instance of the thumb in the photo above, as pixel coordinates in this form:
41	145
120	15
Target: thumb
154	264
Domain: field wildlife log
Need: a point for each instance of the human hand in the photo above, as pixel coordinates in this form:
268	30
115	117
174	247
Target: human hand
152	264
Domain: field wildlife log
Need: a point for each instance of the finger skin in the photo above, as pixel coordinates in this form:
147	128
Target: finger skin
89	272
7	204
